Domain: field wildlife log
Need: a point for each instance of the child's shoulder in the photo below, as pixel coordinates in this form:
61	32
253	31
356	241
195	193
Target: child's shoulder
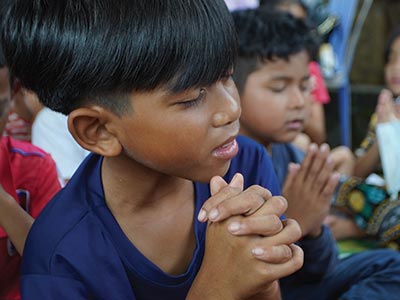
70	216
23	148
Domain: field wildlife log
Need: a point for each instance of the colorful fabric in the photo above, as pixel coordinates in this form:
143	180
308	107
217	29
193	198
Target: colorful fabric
30	176
372	209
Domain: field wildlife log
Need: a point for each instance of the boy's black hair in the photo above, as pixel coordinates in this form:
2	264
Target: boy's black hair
392	37
72	52
266	35
2	59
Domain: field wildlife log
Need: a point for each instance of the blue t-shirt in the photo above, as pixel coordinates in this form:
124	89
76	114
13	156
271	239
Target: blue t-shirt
76	249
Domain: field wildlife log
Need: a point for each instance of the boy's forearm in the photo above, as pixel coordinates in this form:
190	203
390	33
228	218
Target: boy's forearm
15	221
367	163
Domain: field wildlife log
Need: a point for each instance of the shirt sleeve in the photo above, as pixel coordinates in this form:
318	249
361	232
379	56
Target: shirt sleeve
47	287
46	186
320	258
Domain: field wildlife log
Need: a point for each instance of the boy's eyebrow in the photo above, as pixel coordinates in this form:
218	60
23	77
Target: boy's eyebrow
285	77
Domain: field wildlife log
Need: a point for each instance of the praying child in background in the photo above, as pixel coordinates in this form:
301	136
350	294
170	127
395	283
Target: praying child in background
273	79
371	212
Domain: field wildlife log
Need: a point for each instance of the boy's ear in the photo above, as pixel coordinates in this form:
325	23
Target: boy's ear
92	129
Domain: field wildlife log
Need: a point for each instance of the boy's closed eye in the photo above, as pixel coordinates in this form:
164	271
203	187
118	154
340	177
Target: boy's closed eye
194	102
277	86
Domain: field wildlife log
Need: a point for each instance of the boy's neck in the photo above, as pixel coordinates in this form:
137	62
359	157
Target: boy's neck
135	187
155	212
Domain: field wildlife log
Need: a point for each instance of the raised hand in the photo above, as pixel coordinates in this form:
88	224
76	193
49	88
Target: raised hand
308	189
248	252
386	109
234	267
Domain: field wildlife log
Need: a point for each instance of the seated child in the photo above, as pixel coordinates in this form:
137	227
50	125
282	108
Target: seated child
28	180
314	124
375	214
273	80
48	130
147	89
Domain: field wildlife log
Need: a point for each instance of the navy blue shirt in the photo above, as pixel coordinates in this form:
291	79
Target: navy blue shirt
76	249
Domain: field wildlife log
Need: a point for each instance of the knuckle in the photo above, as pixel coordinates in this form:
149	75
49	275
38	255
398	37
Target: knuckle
278	203
276	222
298	257
295	229
285	251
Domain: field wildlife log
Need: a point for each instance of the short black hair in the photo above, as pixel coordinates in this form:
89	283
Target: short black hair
266	35
391	39
72	52
2	59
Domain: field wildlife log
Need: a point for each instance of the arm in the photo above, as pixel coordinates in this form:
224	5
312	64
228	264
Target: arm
366	163
309	187
385	112
314	126
277	256
14	220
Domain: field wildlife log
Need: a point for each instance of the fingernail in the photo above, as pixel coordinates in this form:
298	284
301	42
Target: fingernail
313	147
324	148
234	227
213	214
329	160
257	251
202	215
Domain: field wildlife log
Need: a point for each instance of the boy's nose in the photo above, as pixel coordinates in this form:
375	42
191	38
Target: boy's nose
228	108
297	99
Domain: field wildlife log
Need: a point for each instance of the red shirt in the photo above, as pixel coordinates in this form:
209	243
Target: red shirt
30	176
320	92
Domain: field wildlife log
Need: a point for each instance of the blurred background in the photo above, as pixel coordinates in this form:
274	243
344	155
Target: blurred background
366	74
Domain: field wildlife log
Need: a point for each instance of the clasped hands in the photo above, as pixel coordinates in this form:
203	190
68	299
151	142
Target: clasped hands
248	246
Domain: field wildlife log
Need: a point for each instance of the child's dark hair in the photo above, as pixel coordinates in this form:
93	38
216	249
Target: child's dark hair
266	35
73	52
392	38
2	59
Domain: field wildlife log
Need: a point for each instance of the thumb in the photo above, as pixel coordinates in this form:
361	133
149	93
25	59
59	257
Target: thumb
216	184
293	169
237	181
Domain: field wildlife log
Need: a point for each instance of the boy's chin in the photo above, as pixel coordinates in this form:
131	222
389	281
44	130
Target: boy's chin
287	138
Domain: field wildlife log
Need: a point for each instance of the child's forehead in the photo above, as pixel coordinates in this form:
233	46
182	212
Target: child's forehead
295	63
